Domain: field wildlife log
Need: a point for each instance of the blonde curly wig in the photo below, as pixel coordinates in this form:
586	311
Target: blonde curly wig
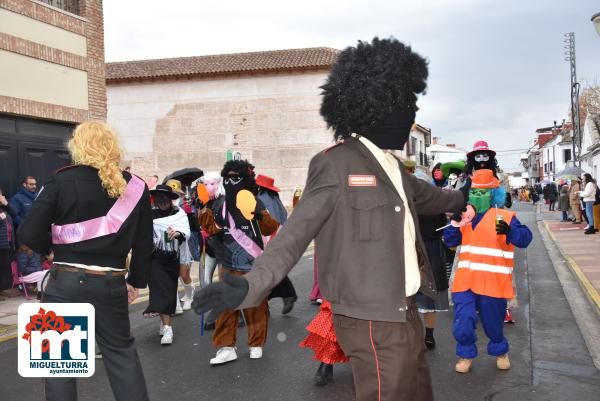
95	144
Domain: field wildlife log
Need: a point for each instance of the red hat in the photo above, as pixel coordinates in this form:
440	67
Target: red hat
481	146
266	182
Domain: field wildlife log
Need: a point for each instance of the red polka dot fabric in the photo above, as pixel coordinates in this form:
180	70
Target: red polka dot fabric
322	339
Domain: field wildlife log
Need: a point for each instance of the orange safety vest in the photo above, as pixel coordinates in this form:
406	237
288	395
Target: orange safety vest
486	261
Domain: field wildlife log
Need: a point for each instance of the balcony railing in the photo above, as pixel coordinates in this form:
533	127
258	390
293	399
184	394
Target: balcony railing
71	6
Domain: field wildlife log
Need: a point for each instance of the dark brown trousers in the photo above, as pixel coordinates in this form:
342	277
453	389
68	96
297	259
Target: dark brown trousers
388	358
257	322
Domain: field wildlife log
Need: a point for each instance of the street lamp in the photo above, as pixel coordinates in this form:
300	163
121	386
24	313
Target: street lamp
596	21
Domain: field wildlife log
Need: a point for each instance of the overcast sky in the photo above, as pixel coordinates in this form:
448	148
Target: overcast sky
497	69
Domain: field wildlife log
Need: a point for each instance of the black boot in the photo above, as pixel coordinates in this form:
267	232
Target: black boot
288	305
429	340
324	374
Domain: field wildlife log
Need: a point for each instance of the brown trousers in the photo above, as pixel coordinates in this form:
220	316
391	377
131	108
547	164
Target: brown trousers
388	358
575	210
257	320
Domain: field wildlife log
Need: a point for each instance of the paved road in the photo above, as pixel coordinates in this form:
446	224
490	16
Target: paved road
550	360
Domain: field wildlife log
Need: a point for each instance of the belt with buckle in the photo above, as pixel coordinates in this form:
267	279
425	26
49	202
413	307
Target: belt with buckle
63	268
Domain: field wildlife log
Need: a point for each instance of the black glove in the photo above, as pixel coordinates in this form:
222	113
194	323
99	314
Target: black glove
502	228
219	297
465	189
458	215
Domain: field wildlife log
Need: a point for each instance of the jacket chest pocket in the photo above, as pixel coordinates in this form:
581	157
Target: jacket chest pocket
367	218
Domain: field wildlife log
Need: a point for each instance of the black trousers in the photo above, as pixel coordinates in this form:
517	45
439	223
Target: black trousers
5	270
285	289
108	295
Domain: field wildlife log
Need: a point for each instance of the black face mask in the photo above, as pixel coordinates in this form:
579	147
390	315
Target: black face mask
483	164
234	184
393	132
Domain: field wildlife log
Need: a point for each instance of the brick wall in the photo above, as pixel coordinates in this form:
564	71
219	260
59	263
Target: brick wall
94	31
91	25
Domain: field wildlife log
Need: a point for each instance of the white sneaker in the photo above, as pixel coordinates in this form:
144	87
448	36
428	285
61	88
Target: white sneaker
256	352
224	355
167	338
187	304
161	329
178	308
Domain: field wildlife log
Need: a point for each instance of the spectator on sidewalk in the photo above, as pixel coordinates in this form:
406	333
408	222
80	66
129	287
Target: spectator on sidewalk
563	202
589	197
29	265
550	195
7	242
21	201
574	200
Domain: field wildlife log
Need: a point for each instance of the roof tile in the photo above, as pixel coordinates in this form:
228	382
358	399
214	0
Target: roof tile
222	64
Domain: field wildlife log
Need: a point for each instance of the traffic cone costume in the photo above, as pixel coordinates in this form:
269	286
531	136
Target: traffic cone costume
483	278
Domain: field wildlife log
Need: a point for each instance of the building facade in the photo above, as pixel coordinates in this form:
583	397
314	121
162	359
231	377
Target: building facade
417	146
189	112
53	77
440	153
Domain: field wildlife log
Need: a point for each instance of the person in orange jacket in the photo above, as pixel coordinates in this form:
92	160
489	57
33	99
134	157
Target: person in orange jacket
483	280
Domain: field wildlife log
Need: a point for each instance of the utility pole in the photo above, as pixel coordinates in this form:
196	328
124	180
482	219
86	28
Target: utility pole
570	57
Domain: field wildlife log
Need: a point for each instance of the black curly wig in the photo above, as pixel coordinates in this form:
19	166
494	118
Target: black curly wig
491	164
368	82
243	167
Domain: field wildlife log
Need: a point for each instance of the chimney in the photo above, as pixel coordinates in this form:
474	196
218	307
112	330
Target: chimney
434	140
451	145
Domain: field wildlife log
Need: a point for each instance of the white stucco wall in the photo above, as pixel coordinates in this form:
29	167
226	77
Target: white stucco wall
273	120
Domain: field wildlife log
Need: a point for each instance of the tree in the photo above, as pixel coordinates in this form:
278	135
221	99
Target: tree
590	105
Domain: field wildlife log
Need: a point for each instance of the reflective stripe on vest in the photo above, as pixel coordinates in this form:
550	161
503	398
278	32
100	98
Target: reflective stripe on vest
485	262
462	264
480	250
104	225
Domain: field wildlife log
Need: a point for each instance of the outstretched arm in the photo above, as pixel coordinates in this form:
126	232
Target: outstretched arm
430	200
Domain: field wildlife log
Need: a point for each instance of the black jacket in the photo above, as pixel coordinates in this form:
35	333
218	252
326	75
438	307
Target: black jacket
74	195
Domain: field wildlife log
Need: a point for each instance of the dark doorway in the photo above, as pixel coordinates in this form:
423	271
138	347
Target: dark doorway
31	147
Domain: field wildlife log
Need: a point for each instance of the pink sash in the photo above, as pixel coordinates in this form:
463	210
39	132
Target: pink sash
104	225
241	238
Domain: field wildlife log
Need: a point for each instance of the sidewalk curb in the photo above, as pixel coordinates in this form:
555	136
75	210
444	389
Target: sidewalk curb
587	287
585	312
8	332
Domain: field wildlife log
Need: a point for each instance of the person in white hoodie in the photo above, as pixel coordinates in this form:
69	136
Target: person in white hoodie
589	197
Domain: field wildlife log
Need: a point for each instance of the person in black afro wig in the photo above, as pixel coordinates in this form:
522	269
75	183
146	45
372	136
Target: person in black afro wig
368	83
243	169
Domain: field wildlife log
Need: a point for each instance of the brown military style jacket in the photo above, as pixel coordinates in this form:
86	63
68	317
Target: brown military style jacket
354	213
